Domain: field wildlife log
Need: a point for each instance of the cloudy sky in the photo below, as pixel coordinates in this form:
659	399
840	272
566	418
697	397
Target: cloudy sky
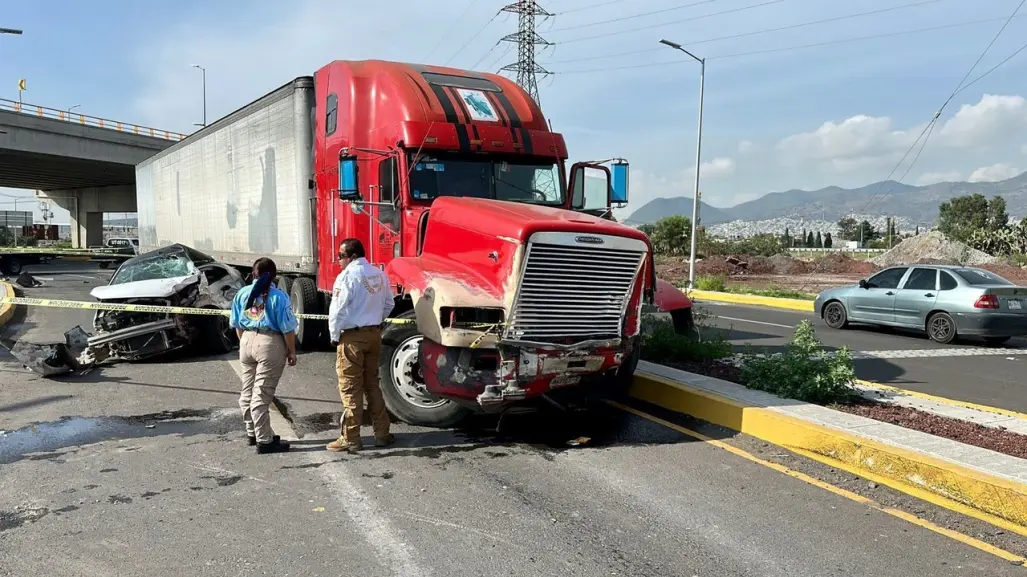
799	93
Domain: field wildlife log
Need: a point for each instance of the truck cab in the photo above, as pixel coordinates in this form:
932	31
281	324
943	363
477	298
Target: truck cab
515	279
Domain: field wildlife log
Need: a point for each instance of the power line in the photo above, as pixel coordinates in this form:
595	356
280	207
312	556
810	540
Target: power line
929	129
790	48
993	68
590	7
427	56
756	32
527	38
660	25
471	39
633	16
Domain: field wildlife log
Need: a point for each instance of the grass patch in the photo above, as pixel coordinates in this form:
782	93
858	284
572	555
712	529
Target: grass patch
717	283
662	344
805	372
774	292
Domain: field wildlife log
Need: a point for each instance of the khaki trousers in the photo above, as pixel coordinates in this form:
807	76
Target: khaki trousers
262	355
356	364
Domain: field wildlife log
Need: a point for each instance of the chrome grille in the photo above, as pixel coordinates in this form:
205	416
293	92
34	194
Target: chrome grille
571	292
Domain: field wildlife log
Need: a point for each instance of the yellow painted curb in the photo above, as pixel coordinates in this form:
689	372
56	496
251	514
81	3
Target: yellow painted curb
944	400
743	299
986	497
6	310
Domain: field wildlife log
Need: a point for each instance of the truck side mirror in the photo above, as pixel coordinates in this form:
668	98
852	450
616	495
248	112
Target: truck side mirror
589	186
619	183
348	182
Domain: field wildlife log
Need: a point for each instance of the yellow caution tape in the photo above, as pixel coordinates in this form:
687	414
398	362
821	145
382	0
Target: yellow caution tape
98	306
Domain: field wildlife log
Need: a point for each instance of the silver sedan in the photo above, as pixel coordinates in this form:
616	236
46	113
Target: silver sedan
945	301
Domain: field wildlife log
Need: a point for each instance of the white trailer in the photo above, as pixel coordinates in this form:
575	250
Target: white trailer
240	188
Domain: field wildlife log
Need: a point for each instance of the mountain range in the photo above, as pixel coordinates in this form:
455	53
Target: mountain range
887	198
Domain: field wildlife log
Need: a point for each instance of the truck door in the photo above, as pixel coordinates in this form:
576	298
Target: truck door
385	224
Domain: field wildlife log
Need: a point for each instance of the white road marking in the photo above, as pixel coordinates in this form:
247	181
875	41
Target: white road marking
737	320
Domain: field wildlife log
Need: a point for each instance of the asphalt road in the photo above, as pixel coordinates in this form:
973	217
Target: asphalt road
140	469
969	371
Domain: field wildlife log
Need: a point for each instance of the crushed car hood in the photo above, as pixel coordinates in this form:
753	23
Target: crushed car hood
155	288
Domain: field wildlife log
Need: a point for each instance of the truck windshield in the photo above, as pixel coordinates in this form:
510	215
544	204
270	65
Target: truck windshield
529	181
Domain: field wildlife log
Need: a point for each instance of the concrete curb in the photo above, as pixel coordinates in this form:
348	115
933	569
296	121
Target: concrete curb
743	299
969	480
6	310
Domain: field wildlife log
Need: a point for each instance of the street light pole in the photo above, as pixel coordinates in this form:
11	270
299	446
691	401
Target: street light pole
203	71
698	158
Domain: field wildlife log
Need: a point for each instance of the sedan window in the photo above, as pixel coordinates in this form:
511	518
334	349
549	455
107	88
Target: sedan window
947	281
887	279
979	277
921	279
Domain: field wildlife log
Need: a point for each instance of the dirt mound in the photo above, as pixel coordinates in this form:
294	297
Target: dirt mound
785	264
1013	274
838	263
933	247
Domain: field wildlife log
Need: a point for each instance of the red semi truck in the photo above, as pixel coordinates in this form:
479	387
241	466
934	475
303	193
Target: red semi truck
513	282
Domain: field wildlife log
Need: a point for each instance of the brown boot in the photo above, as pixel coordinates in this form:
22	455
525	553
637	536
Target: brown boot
339	446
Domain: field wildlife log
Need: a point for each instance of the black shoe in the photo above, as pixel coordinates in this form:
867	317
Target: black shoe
275	446
252	440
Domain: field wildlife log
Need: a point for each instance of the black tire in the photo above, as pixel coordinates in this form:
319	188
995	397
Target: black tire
835	315
996	340
941	328
398	343
617	385
12	266
304	301
216	337
103	264
684	323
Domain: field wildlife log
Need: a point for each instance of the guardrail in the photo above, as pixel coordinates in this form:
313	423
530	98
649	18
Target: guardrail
86	120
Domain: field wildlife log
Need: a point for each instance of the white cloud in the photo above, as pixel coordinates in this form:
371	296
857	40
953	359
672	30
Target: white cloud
856	143
992	120
936	177
994	173
745	147
716	168
1023	149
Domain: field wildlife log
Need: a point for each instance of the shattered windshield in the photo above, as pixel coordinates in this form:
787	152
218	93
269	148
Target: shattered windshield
158	266
530	181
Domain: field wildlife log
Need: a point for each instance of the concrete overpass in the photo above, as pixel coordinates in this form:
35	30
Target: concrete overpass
85	164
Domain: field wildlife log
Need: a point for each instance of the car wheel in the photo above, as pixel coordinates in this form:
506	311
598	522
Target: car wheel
13	266
835	315
218	336
941	328
996	340
402	381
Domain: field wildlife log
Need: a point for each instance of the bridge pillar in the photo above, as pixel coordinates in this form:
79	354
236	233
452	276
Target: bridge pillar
87	206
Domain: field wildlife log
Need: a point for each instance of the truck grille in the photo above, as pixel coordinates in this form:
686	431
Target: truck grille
571	293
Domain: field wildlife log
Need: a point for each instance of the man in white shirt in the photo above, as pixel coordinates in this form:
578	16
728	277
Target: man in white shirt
362	299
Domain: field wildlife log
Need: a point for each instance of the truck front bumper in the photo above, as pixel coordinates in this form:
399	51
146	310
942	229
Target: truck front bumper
485	379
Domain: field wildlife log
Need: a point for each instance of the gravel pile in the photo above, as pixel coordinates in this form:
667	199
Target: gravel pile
932	247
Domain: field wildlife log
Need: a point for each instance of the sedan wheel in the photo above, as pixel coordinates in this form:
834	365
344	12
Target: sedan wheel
941	328
835	315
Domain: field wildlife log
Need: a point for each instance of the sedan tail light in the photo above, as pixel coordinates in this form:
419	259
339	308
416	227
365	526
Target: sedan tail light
987	302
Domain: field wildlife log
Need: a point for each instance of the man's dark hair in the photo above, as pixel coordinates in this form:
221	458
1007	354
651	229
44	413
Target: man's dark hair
264	272
352	248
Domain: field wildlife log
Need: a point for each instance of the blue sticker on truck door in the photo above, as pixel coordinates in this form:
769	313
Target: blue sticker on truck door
478	106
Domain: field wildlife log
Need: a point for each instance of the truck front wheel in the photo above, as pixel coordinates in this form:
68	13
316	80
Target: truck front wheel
617	385
403	386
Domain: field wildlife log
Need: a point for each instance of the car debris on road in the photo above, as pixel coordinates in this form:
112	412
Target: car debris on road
172	276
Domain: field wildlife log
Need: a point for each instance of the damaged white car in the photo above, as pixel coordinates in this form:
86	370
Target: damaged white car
175	275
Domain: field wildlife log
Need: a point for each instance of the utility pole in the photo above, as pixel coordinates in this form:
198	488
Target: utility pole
203	71
527	38
698	156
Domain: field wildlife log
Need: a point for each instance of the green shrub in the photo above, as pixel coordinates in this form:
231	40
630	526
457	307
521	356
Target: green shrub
661	344
805	372
711	283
